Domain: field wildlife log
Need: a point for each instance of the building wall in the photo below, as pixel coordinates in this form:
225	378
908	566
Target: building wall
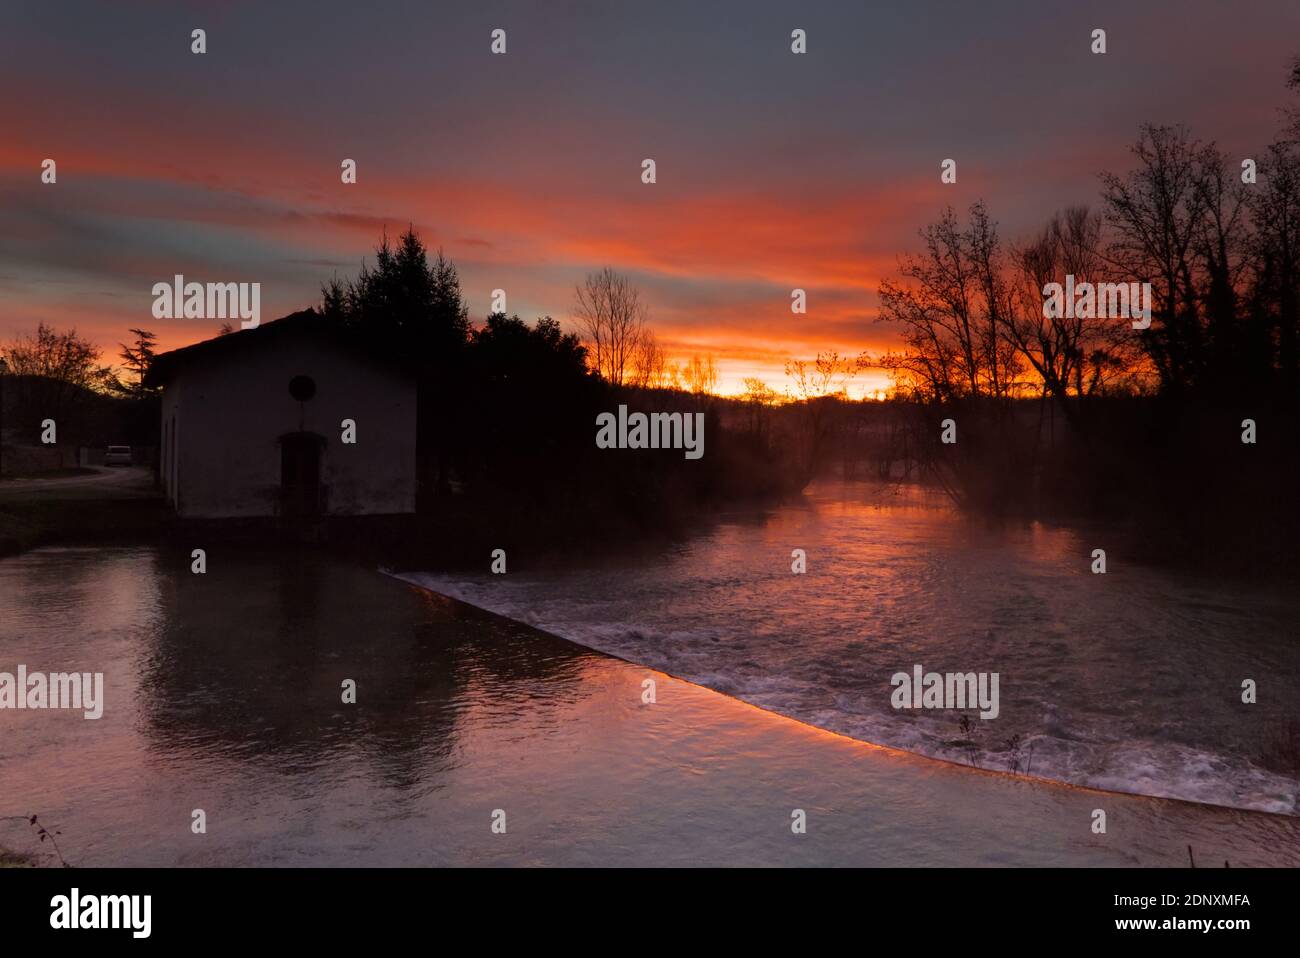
222	419
167	455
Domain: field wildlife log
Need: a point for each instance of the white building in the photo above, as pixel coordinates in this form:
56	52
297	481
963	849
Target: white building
255	423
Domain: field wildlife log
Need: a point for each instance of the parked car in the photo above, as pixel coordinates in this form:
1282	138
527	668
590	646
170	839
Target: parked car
118	456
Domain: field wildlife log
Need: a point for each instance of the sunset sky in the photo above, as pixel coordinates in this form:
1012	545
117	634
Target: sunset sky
774	170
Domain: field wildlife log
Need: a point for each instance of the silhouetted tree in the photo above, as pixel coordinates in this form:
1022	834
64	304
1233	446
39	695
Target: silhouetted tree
613	319
951	307
649	366
1274	314
405	302
50	372
1157	212
759	399
1073	356
700	375
529	406
817	388
137	358
412	308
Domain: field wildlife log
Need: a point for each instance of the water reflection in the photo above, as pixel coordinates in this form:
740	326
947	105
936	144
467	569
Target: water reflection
251	658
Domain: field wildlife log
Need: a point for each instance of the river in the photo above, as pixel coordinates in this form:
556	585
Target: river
1129	680
223	694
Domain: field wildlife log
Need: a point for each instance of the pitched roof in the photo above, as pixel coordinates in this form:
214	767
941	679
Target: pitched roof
304	325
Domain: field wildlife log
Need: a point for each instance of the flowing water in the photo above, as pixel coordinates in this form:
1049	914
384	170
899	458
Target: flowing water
1129	681
222	693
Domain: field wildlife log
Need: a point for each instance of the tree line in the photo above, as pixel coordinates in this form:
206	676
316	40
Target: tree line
60	375
1217	238
507	410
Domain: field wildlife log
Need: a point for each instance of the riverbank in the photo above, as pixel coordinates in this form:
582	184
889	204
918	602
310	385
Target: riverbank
31	524
100	504
12	859
124	506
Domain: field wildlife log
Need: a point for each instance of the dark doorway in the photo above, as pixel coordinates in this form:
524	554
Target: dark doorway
300	489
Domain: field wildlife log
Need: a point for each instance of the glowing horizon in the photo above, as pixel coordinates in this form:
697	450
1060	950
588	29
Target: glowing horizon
774	171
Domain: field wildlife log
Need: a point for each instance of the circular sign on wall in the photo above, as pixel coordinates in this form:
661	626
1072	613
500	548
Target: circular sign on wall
302	388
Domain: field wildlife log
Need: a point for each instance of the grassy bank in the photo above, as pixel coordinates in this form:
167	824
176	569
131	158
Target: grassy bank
31	523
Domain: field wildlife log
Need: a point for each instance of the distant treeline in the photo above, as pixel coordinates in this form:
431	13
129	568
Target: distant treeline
508	410
1189	429
56	375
